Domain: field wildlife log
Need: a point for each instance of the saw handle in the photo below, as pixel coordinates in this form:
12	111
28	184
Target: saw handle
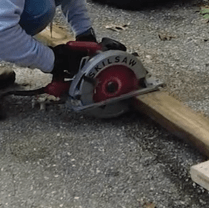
59	86
91	48
85	46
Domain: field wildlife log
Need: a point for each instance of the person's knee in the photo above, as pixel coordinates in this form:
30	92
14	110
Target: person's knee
37	15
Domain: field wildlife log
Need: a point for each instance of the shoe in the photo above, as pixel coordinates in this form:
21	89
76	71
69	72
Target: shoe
7	78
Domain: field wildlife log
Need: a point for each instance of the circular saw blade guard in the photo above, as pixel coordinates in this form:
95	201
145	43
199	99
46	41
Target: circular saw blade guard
106	82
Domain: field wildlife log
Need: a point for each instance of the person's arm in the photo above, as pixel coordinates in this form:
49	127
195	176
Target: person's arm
77	15
18	47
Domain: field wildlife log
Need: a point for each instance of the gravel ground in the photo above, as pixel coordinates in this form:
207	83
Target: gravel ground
58	158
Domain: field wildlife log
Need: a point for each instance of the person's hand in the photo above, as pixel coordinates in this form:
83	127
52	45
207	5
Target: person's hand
67	61
88	35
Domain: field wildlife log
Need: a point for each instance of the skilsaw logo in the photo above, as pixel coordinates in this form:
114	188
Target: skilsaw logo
130	62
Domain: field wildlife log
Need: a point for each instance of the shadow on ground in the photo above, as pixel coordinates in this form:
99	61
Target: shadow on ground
141	4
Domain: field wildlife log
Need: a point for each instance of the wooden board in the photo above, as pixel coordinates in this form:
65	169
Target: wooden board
59	35
176	118
164	109
200	174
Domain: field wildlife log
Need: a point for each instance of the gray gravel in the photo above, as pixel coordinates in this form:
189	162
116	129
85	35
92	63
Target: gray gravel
59	158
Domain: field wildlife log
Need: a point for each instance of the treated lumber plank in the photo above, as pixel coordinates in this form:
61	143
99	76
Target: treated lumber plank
177	118
200	174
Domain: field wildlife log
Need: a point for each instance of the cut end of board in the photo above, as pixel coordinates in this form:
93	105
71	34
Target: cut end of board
200	174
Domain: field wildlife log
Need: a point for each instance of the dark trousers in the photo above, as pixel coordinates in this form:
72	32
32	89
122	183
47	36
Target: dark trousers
37	15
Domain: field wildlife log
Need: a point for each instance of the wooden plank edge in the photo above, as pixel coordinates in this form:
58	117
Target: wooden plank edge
177	118
200	174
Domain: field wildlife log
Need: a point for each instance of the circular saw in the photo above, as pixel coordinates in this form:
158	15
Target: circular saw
104	83
107	78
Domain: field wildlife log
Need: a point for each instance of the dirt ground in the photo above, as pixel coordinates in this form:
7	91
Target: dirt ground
59	158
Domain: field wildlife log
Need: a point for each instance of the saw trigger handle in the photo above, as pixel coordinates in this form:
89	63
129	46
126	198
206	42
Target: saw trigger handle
91	48
87	47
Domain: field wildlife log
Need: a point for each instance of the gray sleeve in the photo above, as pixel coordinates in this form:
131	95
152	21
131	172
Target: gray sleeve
15	45
77	15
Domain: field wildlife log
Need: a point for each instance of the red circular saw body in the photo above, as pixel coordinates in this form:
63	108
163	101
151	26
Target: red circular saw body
114	81
57	88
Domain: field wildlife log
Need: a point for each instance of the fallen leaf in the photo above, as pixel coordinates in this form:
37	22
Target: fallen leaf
117	28
164	36
205	12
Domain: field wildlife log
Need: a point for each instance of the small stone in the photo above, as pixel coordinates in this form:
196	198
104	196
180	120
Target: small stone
202	202
182	202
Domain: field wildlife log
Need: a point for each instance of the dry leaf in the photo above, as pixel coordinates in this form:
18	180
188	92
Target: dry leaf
117	28
164	36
